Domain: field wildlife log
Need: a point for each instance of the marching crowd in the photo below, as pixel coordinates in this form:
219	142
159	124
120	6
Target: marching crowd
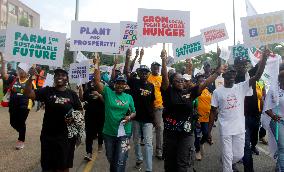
180	107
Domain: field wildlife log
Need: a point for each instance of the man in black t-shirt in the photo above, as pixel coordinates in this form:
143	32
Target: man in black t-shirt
143	95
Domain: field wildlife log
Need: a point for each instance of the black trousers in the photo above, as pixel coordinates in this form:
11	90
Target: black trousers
93	127
18	117
178	151
262	132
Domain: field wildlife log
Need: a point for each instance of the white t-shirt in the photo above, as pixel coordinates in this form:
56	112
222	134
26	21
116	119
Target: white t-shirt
271	101
230	103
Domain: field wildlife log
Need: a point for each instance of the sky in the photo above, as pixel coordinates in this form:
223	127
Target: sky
56	15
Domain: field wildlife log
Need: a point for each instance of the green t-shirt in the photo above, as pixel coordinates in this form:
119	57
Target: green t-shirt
116	107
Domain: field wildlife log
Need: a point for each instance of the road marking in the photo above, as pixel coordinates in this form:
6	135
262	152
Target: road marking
263	150
90	164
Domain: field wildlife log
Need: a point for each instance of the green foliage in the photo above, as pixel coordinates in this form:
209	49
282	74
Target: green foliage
24	22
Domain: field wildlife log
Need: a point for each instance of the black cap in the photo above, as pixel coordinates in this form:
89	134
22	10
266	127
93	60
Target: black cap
60	70
155	64
143	68
121	78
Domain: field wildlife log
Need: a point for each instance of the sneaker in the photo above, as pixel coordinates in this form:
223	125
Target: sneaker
100	148
234	167
138	164
202	149
159	154
255	150
198	156
20	145
263	140
88	157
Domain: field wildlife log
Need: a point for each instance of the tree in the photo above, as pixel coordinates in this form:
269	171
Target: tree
24	22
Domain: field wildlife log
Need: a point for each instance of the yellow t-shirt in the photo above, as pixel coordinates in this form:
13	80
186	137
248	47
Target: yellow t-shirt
204	105
157	82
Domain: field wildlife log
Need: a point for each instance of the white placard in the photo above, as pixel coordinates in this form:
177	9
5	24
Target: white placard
214	34
162	26
79	72
128	35
263	29
34	46
95	36
187	49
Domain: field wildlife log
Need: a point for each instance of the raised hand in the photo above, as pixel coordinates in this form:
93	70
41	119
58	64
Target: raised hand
163	55
137	53
141	53
128	53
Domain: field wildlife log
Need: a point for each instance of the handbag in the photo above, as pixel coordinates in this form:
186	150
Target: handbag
6	98
76	126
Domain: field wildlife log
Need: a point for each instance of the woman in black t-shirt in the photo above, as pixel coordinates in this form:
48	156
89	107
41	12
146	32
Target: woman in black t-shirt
177	115
19	105
57	150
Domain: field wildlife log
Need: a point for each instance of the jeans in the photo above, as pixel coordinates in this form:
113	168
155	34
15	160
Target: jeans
280	144
178	151
197	132
251	138
147	129
232	150
158	112
117	152
18	117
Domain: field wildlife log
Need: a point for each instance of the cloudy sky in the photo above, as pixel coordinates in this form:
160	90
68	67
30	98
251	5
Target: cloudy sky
56	15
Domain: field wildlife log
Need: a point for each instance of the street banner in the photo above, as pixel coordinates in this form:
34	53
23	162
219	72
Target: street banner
214	34
2	40
263	29
95	36
79	72
34	46
239	52
128	36
188	48
162	26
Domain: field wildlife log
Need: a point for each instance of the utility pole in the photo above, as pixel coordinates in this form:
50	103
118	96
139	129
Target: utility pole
234	20
76	18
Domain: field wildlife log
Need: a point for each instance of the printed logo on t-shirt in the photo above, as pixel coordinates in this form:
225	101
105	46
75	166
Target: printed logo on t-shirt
186	96
232	101
145	92
120	103
60	100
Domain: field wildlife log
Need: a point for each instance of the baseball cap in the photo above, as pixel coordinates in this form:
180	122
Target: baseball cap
155	64
121	78
143	68
60	70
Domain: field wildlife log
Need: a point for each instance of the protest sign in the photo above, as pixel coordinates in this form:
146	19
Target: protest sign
128	35
263	29
163	26
2	40
34	46
214	34
95	37
186	49
81	57
239	52
49	80
79	72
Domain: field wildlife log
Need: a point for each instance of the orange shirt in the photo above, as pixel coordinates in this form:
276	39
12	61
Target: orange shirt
157	82
204	105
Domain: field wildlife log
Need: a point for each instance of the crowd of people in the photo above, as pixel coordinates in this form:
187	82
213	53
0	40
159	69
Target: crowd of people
180	107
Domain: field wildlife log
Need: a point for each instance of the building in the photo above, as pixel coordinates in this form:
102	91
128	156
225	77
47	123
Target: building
16	12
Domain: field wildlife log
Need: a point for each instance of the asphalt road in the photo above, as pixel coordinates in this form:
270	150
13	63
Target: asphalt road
27	160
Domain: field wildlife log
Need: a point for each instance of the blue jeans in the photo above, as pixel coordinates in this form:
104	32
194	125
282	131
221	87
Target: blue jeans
147	129
117	152
197	133
280	144
252	123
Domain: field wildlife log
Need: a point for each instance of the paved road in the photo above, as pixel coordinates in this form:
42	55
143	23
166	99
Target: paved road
27	160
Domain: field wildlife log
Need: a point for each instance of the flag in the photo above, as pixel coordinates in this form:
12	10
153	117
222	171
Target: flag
250	9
